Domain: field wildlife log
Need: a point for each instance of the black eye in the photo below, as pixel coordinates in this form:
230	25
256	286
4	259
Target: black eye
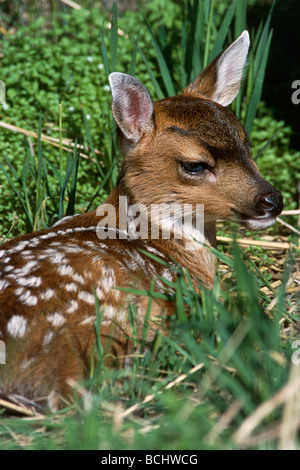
193	168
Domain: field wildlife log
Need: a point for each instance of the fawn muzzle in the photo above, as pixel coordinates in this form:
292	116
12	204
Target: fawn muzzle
271	203
267	206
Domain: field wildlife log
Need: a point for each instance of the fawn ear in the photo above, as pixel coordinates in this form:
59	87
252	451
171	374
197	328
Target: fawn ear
132	105
220	80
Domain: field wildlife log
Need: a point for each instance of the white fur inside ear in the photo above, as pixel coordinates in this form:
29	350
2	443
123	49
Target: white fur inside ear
132	105
230	70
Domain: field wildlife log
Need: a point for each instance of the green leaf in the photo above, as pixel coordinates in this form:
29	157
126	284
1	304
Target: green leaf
163	67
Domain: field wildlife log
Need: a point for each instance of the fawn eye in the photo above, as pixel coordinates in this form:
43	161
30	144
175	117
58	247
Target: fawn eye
194	168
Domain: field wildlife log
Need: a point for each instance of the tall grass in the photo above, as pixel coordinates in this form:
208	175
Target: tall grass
203	36
199	387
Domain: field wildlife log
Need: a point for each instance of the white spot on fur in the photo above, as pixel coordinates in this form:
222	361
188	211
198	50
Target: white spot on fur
110	312
35	242
166	273
26	269
132	265
48	235
117	293
64	219
72	306
71	287
100	293
90	244
155	251
16	326
9	268
26	252
48	338
31	281
3	285
48	294
56	244
65	270
108	279
56	319
19	247
78	278
74	249
28	299
87	297
26	363
57	258
19	291
88	320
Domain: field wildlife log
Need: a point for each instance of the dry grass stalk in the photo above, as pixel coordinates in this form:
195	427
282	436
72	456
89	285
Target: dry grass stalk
150	397
286	394
290	227
67	145
76	6
261	243
71	4
291	416
20	408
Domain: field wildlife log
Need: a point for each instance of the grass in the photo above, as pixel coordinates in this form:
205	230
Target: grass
227	375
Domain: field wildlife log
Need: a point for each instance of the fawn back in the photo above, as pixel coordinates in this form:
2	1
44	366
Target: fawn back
185	151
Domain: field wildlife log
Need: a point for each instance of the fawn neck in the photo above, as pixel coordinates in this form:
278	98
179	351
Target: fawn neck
189	247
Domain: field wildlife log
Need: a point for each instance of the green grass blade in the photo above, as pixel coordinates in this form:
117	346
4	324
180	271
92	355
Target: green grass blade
155	83
263	41
240	23
132	66
90	142
74	176
114	38
18	194
223	31
163	67
257	91
209	8
196	20
104	52
180	307
39	182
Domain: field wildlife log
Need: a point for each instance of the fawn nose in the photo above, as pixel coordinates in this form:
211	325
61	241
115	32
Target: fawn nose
271	202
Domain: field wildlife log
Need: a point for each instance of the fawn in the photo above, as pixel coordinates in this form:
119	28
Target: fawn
188	149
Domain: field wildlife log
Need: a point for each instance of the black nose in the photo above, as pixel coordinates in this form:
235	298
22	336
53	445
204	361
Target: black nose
270	202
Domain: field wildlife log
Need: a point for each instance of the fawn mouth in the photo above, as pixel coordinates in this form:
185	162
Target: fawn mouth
257	223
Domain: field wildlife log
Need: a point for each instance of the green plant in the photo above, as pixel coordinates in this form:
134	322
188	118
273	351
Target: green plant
223	357
71	91
272	151
201	38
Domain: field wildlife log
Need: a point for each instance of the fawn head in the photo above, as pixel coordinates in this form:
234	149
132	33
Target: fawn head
190	148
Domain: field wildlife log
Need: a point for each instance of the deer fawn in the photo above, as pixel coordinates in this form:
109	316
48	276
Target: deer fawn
188	149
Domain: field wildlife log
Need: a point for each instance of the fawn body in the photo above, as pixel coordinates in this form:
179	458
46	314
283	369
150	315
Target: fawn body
188	149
